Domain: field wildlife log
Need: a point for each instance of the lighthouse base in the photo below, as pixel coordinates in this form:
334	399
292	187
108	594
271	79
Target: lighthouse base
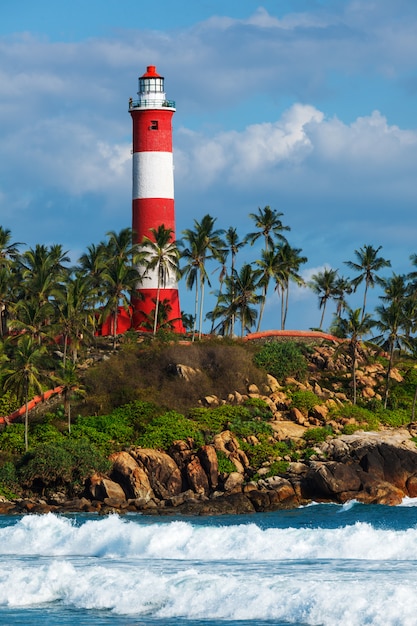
169	313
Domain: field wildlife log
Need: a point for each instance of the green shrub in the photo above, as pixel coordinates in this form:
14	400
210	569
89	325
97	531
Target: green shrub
12	439
244	428
277	468
282	359
258	408
395	418
50	467
265	451
162	431
137	414
102	441
317	435
225	464
44	433
349	429
114	425
368	420
304	400
8	403
8	480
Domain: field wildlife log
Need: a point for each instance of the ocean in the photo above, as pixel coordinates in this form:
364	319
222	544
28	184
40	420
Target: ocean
321	565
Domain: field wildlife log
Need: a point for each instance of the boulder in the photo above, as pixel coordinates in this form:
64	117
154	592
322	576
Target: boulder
330	479
131	476
197	477
101	488
233	481
208	459
163	473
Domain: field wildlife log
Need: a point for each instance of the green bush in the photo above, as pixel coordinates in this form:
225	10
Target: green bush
258	408
265	451
67	466
115	426
317	435
277	468
395	418
137	414
162	431
225	464
244	428
304	400
366	419
8	403
282	359
12	439
101	441
44	433
8	480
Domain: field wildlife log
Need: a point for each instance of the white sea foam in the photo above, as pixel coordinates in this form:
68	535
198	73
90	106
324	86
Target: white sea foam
115	537
353	575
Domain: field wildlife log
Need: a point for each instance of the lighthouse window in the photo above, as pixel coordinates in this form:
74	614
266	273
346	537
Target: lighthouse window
149	85
153	125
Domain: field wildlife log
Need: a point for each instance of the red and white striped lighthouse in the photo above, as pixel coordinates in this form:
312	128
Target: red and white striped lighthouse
153	187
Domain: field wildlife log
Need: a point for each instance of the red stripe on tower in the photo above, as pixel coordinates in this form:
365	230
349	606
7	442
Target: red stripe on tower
153	187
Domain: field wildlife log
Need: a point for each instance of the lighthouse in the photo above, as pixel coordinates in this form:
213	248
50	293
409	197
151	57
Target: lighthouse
153	190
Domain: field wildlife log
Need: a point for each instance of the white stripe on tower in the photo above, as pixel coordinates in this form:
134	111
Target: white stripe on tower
153	175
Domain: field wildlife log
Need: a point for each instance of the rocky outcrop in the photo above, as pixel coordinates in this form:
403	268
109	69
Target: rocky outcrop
374	467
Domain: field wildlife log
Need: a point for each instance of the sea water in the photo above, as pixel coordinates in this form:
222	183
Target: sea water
319	565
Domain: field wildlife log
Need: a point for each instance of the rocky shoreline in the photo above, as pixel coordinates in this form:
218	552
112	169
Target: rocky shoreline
369	467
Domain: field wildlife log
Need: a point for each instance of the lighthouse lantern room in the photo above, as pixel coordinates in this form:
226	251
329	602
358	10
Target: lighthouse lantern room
153	191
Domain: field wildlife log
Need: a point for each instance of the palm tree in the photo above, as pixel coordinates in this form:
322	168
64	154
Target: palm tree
204	243
8	295
33	318
246	285
24	375
267	270
225	309
233	245
69	382
160	254
324	285
287	265
269	225
393	335
354	327
8	249
74	315
41	269
343	287
119	282
121	245
368	263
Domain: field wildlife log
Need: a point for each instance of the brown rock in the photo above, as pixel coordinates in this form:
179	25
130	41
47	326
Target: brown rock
288	430
320	411
131	476
260	500
208	459
234	481
297	416
411	486
197	477
100	488
163	473
332	478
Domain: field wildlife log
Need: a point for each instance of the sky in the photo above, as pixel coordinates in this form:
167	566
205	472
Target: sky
306	106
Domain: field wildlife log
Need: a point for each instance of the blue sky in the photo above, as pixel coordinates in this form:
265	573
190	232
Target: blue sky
307	106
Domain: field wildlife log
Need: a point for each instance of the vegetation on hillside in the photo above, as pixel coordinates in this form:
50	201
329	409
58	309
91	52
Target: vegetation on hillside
129	390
